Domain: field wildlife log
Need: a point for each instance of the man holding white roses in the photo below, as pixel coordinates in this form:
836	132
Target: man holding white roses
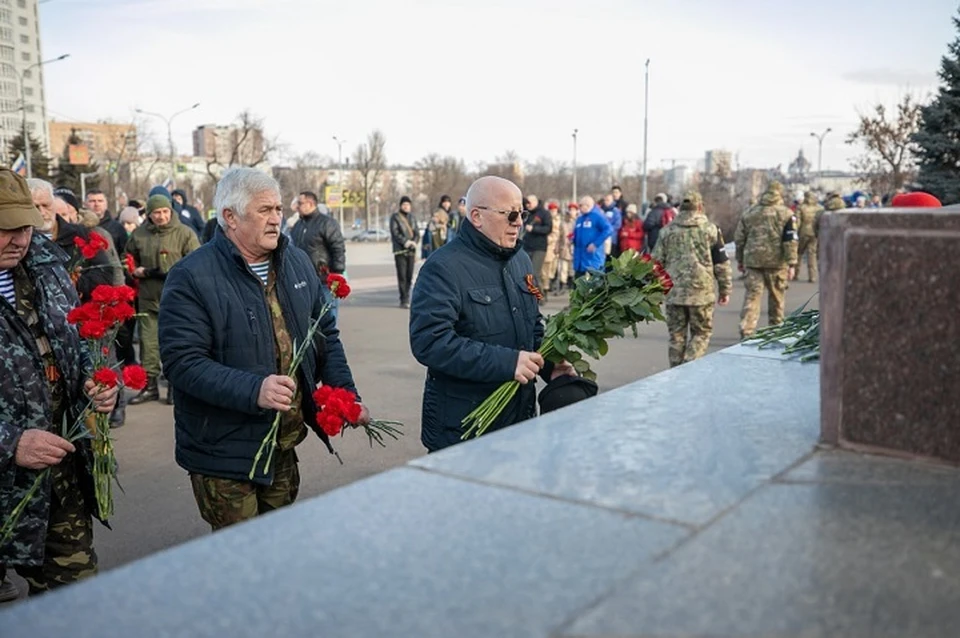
230	315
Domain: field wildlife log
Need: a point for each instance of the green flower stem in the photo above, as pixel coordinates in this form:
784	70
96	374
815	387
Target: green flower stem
11	523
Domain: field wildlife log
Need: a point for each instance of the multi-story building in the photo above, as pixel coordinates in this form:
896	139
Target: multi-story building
20	62
105	142
228	144
718	162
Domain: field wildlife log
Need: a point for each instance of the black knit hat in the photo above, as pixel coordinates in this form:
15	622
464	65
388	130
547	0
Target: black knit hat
405	200
565	390
67	195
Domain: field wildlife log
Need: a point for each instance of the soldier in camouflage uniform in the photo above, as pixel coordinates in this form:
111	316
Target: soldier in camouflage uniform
45	369
230	315
692	251
808	215
766	240
832	203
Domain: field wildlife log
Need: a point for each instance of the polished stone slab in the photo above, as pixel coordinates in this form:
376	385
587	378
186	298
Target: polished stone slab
405	553
682	445
841	466
825	560
890	360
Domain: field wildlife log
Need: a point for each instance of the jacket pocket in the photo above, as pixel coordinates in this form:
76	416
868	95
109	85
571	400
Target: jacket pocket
485	312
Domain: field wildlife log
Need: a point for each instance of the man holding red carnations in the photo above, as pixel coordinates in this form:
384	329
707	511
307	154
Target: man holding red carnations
232	318
45	371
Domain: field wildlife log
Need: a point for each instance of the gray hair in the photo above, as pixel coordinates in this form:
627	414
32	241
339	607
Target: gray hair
237	187
40	185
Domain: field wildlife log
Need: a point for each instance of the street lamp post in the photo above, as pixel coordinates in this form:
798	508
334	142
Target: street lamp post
820	153
646	107
169	121
575	165
23	104
340	144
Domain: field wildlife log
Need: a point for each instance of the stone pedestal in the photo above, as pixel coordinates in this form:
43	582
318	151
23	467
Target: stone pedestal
890	340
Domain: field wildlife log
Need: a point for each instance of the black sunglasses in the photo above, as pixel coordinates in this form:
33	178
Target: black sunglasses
511	215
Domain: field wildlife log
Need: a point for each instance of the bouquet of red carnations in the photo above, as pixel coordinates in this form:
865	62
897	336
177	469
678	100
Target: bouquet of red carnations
98	321
337	407
602	306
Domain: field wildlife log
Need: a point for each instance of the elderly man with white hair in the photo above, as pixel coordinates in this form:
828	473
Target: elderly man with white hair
230	314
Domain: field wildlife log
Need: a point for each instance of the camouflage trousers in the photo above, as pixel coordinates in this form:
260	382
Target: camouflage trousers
690	330
224	502
808	245
68	554
774	280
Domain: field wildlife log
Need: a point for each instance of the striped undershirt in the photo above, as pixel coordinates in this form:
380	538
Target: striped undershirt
261	270
6	287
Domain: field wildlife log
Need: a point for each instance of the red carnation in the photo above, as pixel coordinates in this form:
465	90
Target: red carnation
646	257
321	395
130	263
94	329
103	294
123	311
105	350
79	242
353	412
125	293
338	285
105	377
331	424
135	377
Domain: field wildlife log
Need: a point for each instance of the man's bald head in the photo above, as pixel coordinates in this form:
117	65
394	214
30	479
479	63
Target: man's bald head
489	202
586	204
532	202
65	210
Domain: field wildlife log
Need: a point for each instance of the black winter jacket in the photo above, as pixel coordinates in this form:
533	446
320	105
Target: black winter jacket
116	230
400	233
471	315
217	347
541	224
319	236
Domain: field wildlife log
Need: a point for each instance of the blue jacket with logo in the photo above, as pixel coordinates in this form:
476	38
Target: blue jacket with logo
471	314
590	228
217	347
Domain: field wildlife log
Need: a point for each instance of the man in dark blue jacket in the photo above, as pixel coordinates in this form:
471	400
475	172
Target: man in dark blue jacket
229	317
474	321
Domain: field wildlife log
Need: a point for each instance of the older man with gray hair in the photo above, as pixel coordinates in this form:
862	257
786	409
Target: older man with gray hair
230	314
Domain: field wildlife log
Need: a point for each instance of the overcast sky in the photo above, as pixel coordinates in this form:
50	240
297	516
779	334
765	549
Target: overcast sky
475	78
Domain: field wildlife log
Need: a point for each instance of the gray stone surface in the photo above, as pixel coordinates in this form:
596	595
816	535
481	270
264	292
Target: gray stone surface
682	446
838	466
804	560
405	553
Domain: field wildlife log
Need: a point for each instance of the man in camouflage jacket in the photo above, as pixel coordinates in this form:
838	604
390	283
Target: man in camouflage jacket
808	215
692	251
766	239
45	371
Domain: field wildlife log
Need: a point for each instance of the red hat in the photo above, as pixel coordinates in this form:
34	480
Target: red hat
552	206
915	200
573	205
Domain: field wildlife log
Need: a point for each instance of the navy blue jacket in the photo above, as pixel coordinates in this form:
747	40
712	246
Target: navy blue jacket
217	347
471	314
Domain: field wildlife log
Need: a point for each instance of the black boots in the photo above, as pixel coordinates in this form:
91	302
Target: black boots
169	398
149	393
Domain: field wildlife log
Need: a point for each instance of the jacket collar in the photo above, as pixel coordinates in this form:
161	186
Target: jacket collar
43	252
479	242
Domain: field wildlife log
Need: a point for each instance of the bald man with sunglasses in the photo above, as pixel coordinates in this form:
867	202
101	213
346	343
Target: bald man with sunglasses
475	322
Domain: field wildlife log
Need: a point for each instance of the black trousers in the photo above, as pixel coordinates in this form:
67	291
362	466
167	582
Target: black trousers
405	263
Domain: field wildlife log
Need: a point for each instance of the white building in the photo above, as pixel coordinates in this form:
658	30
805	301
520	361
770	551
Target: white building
20	59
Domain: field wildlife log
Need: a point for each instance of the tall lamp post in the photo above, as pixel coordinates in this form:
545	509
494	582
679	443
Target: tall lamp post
820	153
646	108
169	121
23	104
575	165
340	144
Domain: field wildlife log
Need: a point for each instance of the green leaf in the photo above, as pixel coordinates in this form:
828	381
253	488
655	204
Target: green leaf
616	281
561	346
573	356
603	347
589	374
584	326
581	366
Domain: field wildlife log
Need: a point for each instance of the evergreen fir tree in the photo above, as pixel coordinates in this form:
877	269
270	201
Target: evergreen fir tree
39	160
938	140
68	174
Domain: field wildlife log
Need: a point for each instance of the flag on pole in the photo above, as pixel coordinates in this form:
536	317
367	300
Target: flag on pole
20	166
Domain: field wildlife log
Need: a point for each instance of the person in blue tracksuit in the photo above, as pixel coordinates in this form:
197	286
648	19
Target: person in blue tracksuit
589	232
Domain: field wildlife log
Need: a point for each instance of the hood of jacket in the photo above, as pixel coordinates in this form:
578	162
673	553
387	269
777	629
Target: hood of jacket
689	218
771	198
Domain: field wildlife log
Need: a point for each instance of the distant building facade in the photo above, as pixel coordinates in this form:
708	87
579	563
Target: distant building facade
20	58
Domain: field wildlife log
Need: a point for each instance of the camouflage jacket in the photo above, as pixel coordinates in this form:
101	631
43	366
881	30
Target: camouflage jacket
25	399
808	214
766	235
692	251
